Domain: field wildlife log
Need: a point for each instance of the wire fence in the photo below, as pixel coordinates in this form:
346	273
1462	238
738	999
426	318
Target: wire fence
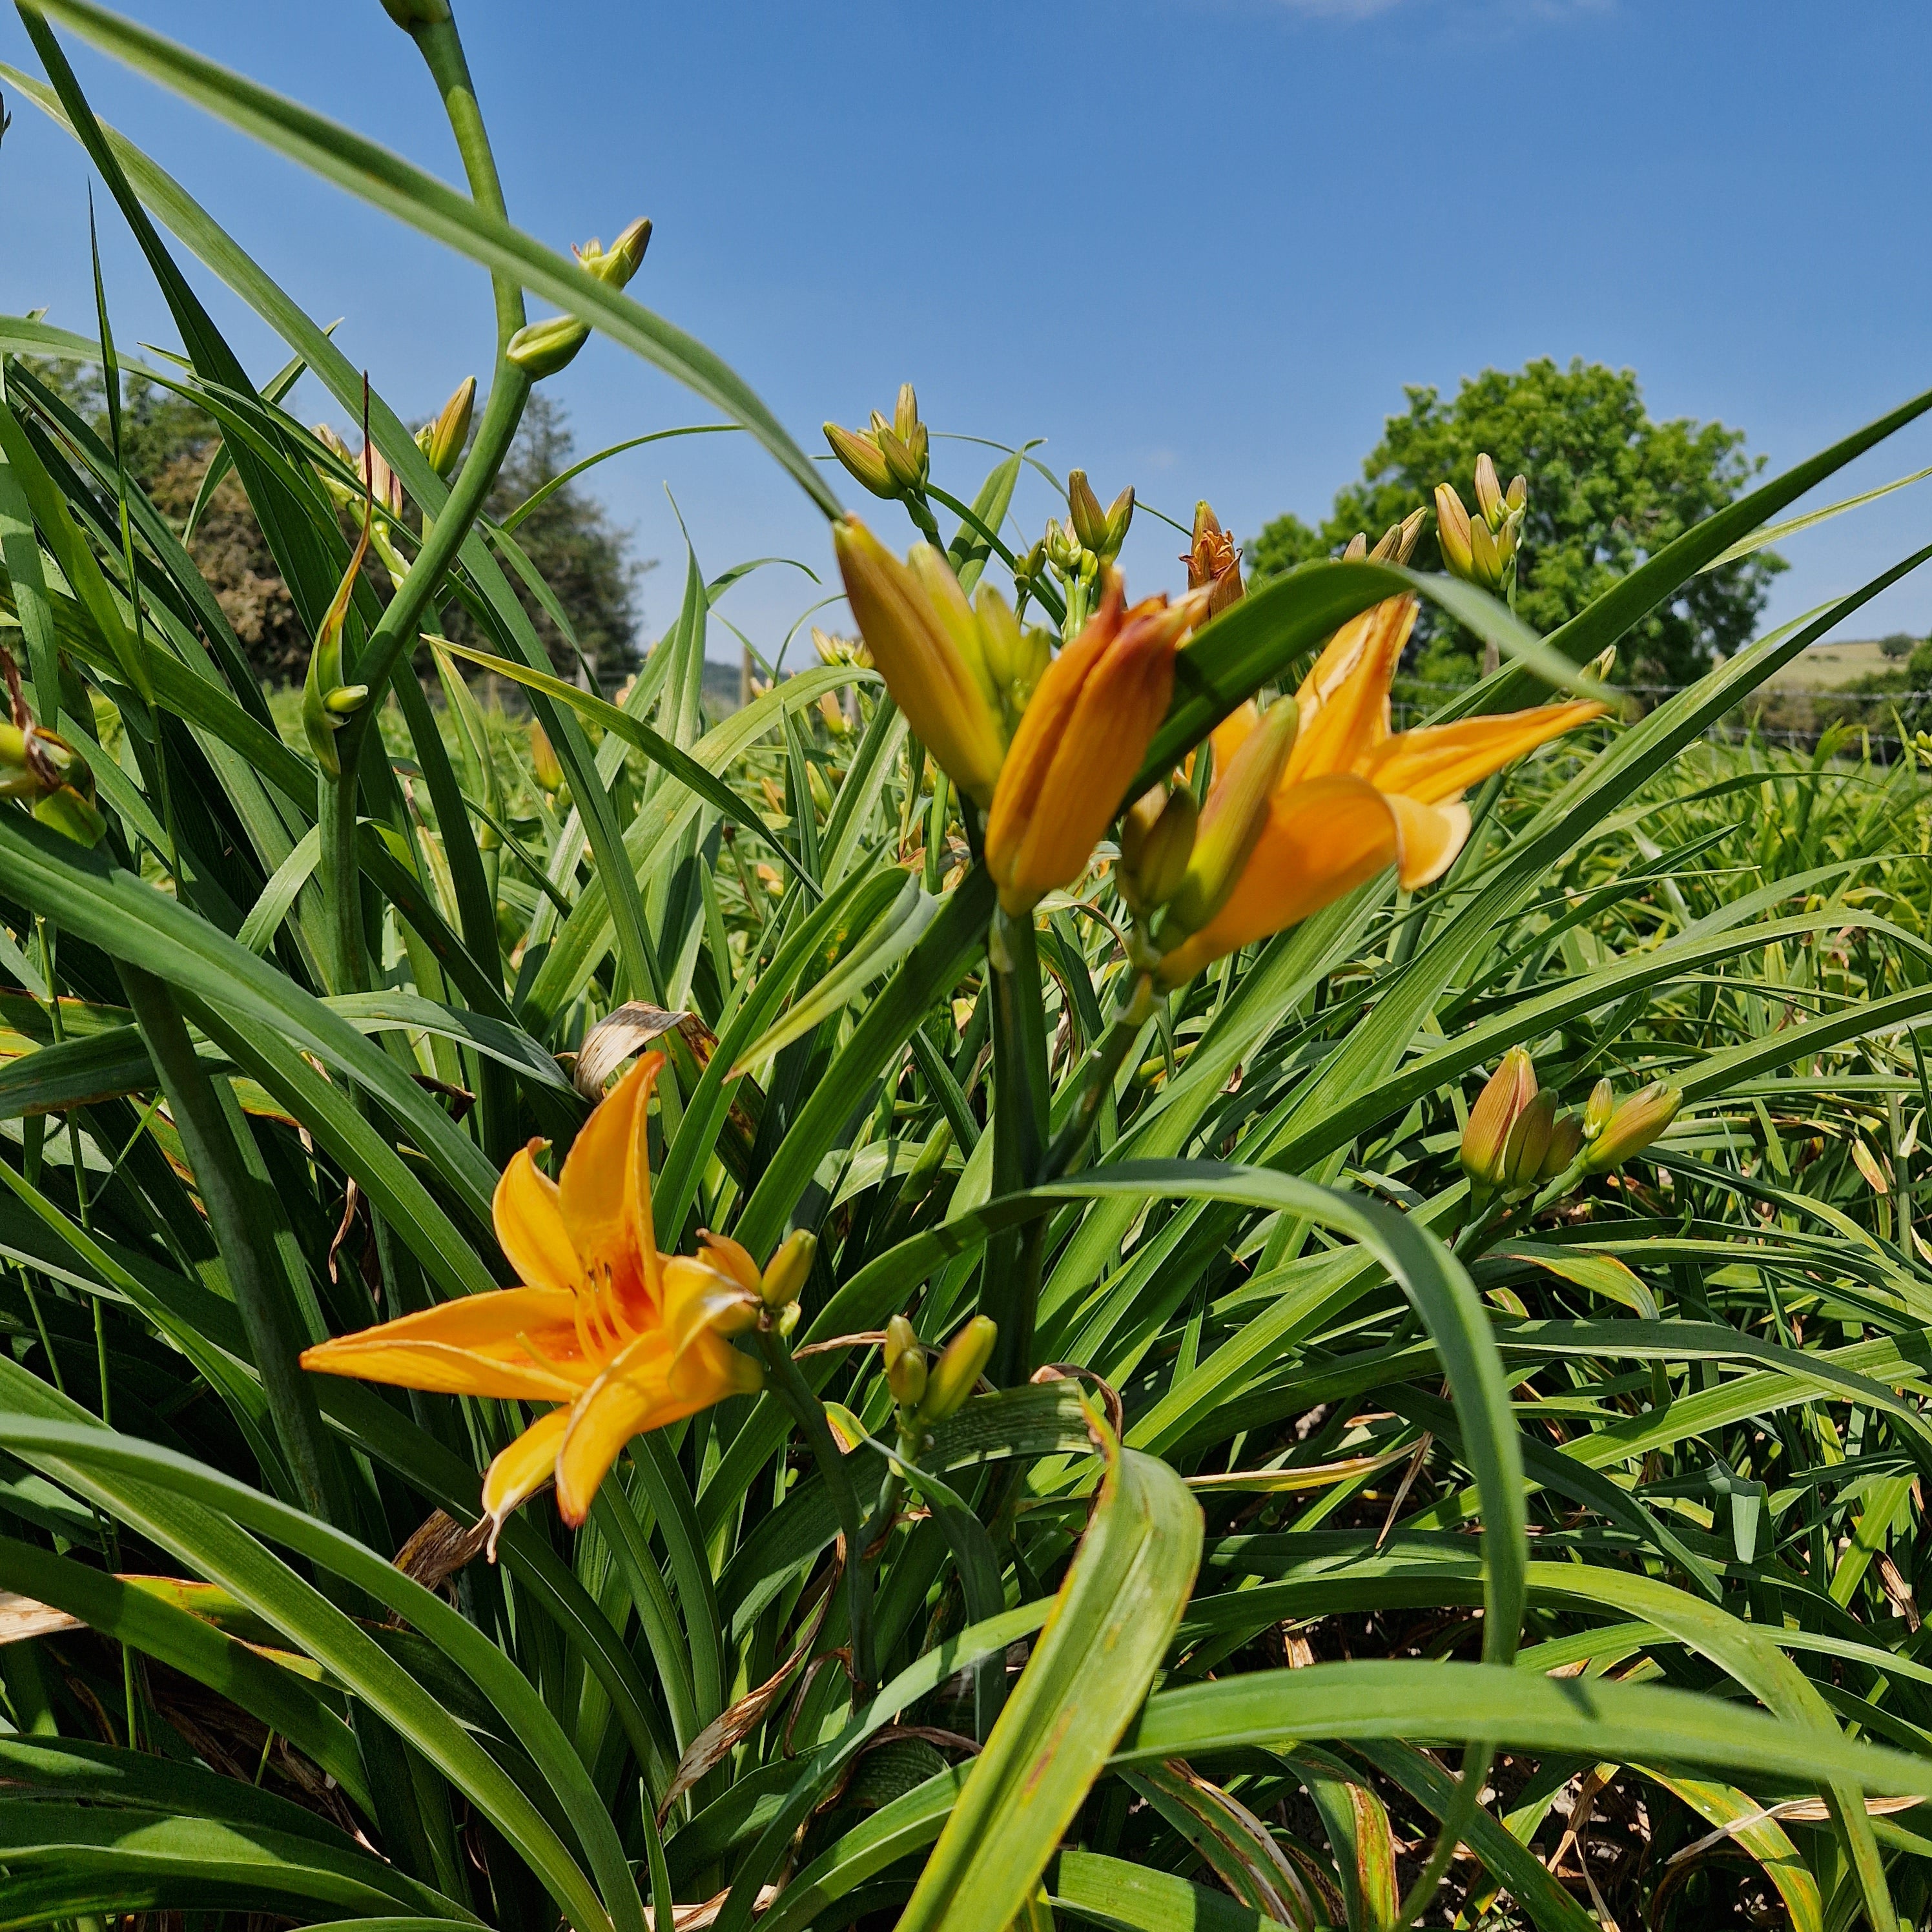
1883	725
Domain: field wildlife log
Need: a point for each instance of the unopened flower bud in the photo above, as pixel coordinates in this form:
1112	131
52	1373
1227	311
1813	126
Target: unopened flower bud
1084	513
1597	1111
1156	841
622	260
1061	546
1397	544
907	458
1633	1126
951	1379
1015	658
859	451
1238	810
540	349
441	441
1516	496
1356	549
787	1272
1498	1108
1489	493
905	1363
1453	533
545	766
1566	1142
1529	1143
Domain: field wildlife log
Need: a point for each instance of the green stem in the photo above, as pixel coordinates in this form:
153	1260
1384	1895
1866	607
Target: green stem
1103	1065
1009	1276
443	538
808	1412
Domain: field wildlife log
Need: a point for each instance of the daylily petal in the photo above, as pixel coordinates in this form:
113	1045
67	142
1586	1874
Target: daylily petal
530	1225
1428	837
1352	708
1322	839
521	1470
699	1299
635	1393
1232	733
729	1257
1436	762
474	1346
604	1192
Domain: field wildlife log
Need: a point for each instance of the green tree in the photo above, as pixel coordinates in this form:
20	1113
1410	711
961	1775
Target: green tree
1608	487
587	562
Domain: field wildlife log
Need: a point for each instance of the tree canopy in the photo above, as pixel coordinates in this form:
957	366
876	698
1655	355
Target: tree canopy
1609	487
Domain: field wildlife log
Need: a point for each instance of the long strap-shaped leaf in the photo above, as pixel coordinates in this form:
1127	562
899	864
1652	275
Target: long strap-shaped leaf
1111	1624
388	182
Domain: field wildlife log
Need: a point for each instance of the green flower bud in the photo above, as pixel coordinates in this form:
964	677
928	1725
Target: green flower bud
1237	813
1602	1103
1084	513
1489	493
540	349
1633	1126
1453	533
1015	658
1528	1144
1566	1142
1156	842
545	766
786	1273
858	450
905	1363
951	1379
441	441
1491	1120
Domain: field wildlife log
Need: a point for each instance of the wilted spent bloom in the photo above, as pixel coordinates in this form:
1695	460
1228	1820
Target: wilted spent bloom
44	771
1102	532
951	1379
623	1339
1354	797
1633	1126
905	1363
1213	561
540	349
1156	841
1086	730
925	639
441	441
1502	1103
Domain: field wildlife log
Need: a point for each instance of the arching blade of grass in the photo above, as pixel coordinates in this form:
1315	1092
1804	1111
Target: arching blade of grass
388	182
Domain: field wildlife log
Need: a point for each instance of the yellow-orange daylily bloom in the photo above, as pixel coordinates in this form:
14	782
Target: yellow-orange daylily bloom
1355	797
1085	730
623	1339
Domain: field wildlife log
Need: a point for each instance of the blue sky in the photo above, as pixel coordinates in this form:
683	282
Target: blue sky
1198	245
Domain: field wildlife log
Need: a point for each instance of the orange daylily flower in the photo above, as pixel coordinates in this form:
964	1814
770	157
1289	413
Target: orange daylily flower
1085	730
623	1339
1354	796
